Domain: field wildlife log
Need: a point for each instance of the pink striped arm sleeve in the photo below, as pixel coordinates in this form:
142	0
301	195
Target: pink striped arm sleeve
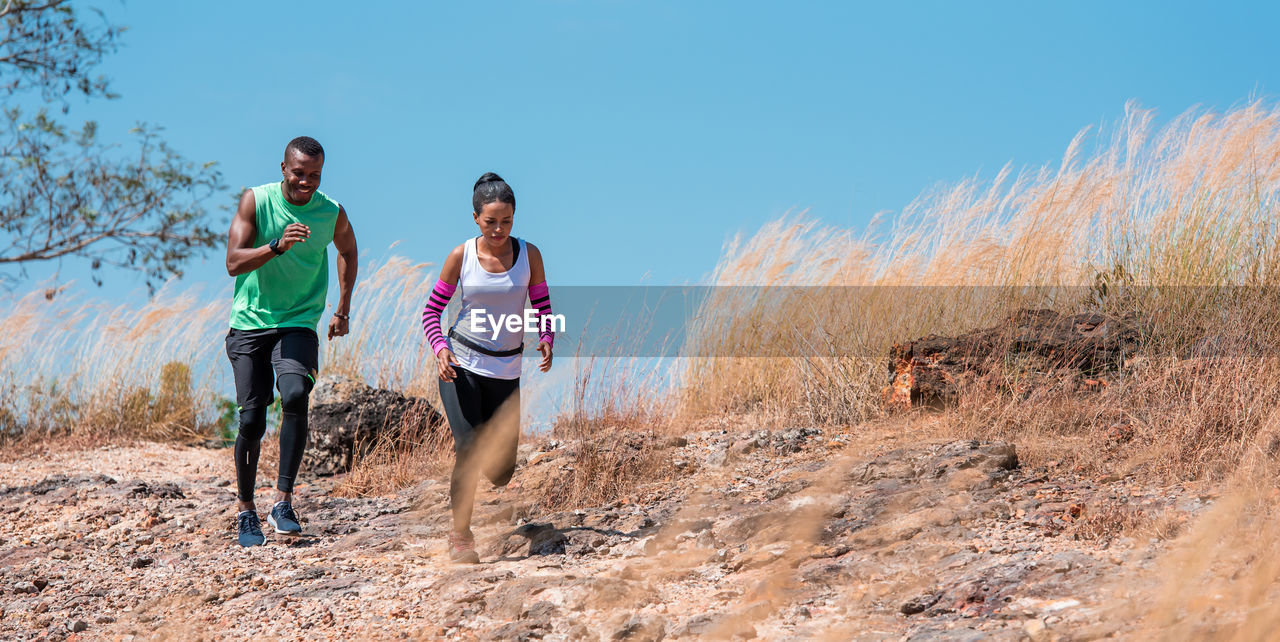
436	301
540	299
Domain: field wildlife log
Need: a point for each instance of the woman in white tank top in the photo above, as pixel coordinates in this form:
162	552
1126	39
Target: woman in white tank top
487	296
479	362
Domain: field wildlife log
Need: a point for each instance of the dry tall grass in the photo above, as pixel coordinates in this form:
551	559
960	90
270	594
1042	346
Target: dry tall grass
418	452
615	415
1222	577
95	372
1174	223
385	347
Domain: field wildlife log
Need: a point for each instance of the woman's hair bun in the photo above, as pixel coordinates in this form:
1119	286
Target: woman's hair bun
489	177
491	188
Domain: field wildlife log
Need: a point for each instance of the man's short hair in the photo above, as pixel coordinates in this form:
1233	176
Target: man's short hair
307	145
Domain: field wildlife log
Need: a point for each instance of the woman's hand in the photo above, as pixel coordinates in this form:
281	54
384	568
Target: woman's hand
545	349
444	364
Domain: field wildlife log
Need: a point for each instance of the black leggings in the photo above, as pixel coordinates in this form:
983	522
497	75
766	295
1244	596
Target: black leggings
484	416
294	392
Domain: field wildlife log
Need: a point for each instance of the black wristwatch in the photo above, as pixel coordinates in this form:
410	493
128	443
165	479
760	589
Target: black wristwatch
275	246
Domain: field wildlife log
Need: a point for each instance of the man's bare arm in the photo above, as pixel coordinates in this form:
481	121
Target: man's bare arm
344	238
242	257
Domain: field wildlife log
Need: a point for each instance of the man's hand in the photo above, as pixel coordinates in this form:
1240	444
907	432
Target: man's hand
296	233
545	348
338	327
444	364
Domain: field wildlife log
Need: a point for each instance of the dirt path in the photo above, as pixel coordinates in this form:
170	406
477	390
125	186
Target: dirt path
772	534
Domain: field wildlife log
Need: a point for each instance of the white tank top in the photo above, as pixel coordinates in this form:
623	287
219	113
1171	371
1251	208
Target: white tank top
490	297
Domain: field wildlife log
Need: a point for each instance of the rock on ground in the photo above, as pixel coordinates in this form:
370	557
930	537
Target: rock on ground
347	418
930	371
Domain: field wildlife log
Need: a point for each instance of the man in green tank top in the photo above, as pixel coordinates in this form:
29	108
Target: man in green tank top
278	251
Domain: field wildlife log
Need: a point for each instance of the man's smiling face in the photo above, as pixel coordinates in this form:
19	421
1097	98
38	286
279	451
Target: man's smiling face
301	176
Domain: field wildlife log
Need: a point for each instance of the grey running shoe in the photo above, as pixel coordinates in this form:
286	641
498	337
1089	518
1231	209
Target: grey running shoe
284	520
249	529
462	549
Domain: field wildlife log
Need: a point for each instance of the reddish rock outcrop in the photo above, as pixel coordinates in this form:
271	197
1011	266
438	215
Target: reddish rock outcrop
930	371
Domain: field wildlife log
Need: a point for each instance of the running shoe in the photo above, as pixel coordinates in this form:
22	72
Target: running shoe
284	520
249	529
462	549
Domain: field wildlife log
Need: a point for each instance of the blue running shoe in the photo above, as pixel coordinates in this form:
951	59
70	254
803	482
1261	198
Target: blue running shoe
284	520
250	529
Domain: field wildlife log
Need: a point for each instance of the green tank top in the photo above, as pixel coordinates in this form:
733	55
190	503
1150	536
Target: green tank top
289	290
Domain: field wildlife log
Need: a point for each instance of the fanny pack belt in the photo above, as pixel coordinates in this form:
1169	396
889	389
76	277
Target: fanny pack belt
483	350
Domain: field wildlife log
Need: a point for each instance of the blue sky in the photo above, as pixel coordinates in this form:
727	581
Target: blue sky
639	136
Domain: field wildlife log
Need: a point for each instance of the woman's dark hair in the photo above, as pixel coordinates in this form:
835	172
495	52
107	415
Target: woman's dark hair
491	188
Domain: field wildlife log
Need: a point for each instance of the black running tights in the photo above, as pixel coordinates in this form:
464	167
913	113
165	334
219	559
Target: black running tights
484	417
294	391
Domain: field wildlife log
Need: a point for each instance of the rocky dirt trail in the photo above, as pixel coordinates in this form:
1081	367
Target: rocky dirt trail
793	533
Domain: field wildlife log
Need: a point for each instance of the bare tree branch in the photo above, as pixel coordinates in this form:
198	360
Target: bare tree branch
46	46
63	193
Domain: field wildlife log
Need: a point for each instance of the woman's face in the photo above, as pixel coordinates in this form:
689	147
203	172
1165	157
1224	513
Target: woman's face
494	220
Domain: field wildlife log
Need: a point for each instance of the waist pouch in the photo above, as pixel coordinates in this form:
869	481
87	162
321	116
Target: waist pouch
483	350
